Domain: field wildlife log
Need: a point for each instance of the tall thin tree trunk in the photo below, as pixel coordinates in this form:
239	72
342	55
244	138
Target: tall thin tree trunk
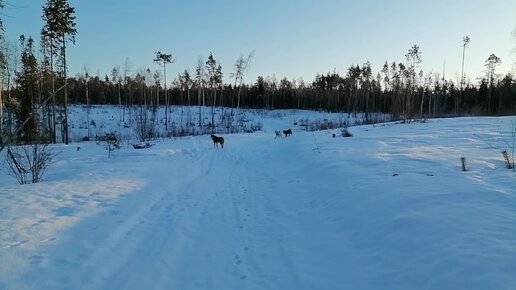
166	96
88	109
1	112
461	79
53	81
119	99
65	93
182	110
199	104
213	110
9	112
490	91
203	104
239	92
189	108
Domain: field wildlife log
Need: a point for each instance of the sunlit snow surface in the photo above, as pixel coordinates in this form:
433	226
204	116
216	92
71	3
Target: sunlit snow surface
388	208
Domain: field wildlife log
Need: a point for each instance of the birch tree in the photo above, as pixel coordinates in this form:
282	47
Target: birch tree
241	68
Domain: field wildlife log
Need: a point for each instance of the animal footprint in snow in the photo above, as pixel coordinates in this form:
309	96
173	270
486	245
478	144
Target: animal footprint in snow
238	261
36	260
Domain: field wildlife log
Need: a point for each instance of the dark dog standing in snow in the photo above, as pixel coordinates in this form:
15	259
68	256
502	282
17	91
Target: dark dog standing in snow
287	132
217	140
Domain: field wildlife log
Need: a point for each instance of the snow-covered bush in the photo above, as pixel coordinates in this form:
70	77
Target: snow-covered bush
345	133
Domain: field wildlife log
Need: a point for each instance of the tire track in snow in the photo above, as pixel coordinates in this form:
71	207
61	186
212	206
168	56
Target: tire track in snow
161	232
204	221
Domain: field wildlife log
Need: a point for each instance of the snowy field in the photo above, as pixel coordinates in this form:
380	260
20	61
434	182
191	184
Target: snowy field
388	208
106	119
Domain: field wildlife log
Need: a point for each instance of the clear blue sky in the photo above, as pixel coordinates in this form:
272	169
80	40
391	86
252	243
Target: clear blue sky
292	38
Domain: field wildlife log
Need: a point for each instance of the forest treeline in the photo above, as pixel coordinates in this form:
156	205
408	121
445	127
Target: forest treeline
37	88
390	91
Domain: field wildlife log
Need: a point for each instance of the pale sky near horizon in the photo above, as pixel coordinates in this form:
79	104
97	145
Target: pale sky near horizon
291	38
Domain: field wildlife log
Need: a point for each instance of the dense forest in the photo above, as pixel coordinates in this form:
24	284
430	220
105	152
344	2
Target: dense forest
37	88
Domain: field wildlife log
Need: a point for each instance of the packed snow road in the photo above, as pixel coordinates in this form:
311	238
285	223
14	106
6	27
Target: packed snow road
201	218
386	209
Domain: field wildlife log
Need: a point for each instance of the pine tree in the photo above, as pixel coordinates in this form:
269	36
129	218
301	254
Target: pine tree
491	63
163	58
186	83
414	59
211	67
465	42
59	28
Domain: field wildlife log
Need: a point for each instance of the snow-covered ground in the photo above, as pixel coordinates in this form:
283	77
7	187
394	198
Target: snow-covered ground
388	208
107	119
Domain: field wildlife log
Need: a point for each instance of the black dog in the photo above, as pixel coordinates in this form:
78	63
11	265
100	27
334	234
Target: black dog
287	132
217	140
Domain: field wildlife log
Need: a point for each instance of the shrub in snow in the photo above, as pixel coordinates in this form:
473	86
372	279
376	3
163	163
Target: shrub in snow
324	124
507	160
142	145
110	141
28	162
346	133
144	126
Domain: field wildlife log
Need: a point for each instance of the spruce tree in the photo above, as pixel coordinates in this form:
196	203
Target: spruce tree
27	82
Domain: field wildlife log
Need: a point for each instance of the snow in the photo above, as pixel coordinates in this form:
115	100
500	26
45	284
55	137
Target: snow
388	208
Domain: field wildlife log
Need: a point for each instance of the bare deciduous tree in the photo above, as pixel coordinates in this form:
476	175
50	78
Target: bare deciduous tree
241	68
